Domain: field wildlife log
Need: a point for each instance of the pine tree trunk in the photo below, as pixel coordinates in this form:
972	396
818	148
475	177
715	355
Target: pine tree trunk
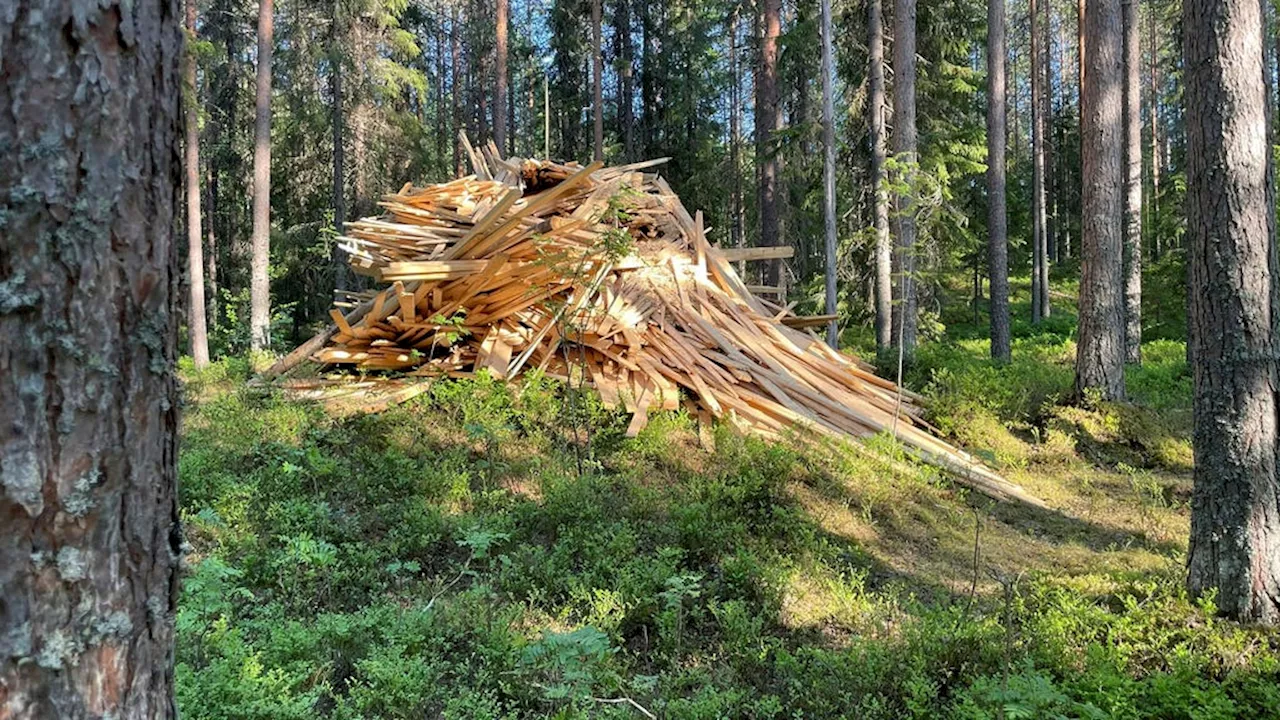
260	284
829	173
1235	512
89	541
211	254
1157	160
1038	261
904	147
1100	350
442	117
1050	225
997	214
196	327
500	65
336	259
738	238
457	92
1133	183
626	82
884	243
597	83
768	119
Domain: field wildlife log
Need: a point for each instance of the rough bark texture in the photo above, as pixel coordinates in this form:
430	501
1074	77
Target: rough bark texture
997	213
90	171
768	118
259	282
597	83
196	327
829	173
884	244
904	147
1132	183
1235	511
1038	259
1100	350
500	98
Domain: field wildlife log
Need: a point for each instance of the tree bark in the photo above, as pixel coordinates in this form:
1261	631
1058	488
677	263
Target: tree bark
1050	215
1100	350
829	173
1235	512
500	64
626	83
196	307
737	236
1157	161
89	535
259	283
884	244
1132	183
211	256
457	93
768	119
597	83
336	258
904	146
997	213
1039	274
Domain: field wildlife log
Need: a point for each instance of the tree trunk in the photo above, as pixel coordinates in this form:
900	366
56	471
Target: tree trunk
442	117
597	83
1050	224
904	147
1080	15
1039	292
1132	184
1100	350
626	100
336	257
211	256
89	541
768	119
457	93
1153	109
1235	511
997	214
260	285
196	327
737	236
500	64
828	173
884	244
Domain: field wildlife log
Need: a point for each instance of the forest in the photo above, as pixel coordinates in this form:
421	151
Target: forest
639	359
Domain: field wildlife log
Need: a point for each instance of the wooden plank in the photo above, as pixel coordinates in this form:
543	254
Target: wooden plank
768	252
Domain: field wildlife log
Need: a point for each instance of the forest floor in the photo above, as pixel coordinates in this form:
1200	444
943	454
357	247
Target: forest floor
479	553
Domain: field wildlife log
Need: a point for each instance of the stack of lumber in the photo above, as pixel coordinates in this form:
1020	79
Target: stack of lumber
599	275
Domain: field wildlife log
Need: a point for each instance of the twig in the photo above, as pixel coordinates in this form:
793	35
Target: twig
624	700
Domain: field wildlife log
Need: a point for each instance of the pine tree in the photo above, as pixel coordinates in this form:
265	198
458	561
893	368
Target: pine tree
260	286
1235	510
1100	350
997	220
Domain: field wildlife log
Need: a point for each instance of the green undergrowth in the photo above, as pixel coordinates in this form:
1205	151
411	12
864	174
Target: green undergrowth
487	551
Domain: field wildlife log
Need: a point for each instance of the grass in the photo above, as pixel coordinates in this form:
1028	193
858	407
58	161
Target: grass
467	556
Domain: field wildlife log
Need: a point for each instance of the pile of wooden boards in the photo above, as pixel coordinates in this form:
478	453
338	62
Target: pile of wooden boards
599	275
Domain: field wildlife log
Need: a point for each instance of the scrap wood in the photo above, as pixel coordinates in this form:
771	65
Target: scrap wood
600	274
